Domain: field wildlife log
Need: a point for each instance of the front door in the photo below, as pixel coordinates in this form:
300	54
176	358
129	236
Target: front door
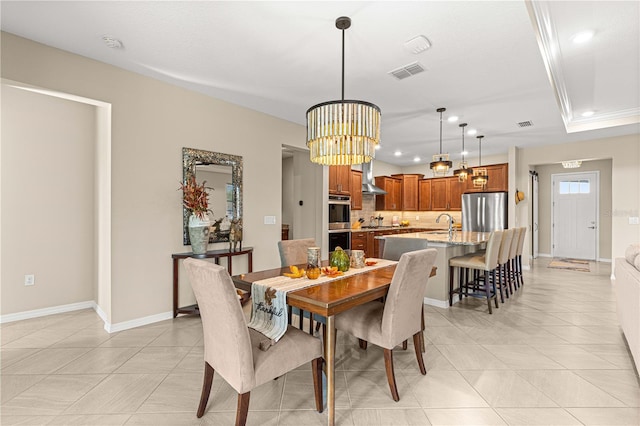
575	215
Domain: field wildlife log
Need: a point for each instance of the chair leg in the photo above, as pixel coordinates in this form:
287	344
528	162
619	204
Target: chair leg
405	345
493	285
206	388
451	270
487	293
363	344
422	329
316	370
391	377
243	409
416	344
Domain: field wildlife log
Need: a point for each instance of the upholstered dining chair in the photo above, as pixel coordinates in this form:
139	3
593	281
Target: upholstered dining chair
294	252
232	349
388	325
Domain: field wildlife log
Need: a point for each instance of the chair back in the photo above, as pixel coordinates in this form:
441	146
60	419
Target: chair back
505	246
396	247
514	243
492	251
523	234
402	308
227	345
294	252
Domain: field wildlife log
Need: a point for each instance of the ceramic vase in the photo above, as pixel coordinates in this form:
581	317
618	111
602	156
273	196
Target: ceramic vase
199	234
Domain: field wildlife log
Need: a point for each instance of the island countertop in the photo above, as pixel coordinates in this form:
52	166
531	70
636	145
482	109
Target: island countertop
441	238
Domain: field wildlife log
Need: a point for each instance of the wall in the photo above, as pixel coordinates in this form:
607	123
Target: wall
287	188
151	122
545	198
48	147
307	203
624	152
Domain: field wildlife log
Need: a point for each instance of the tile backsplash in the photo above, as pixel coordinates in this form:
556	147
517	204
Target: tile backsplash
424	219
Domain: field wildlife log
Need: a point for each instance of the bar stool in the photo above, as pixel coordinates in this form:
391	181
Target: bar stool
518	261
488	262
503	260
511	263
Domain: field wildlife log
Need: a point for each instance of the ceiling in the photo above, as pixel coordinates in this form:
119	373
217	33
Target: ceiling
492	64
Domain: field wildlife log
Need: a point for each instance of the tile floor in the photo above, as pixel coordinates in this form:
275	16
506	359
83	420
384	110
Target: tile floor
553	354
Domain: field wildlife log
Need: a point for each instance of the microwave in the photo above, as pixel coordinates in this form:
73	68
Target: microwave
339	212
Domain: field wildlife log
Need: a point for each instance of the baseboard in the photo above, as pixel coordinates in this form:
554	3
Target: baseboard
440	303
138	322
36	313
604	260
544	255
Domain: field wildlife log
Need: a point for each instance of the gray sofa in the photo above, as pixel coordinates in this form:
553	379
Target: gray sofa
626	282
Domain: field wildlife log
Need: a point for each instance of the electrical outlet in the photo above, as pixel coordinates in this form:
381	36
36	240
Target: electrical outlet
269	220
634	220
29	279
417	217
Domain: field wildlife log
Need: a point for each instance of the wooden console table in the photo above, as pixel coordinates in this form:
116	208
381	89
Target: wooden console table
212	254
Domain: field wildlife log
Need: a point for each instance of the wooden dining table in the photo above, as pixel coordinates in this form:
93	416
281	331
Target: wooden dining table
328	299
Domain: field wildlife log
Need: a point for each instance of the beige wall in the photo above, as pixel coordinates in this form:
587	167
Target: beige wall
152	121
624	152
48	147
545	199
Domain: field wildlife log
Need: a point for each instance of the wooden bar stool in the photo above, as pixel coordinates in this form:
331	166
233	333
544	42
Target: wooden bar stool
518	260
511	263
503	259
484	286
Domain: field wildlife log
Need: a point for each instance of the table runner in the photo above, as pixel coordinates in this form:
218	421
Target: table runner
269	314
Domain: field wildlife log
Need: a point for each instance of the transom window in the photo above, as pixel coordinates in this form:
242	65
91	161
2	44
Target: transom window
578	186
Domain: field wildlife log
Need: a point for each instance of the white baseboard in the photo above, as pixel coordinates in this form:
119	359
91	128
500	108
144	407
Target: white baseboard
126	325
36	313
544	255
604	260
440	303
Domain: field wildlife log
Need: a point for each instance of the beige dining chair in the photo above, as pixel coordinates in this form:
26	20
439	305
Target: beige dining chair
487	262
232	349
399	318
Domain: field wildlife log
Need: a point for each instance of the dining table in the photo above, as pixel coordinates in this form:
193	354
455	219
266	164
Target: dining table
329	299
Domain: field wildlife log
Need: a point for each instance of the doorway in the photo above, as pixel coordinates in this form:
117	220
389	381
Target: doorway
575	215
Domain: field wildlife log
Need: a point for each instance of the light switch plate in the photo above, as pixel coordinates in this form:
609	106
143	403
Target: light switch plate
634	220
269	220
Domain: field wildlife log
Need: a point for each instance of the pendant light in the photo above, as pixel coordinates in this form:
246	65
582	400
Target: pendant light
346	131
463	171
480	176
440	164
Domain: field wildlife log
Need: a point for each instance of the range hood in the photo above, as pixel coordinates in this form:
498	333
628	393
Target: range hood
367	180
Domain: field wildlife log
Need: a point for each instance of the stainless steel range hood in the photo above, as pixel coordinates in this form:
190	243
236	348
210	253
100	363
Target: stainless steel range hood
367	180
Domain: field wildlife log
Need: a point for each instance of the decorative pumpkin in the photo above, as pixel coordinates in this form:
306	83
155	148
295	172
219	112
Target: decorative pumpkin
340	259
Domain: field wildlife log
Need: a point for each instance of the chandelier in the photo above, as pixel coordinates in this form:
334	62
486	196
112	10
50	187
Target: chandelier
480	176
463	170
440	164
346	131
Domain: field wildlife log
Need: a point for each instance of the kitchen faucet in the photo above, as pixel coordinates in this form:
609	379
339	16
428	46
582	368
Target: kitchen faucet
450	222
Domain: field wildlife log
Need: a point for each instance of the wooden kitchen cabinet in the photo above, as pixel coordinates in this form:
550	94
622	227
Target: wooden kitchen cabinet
424	195
409	191
392	200
359	242
498	179
340	180
446	194
356	190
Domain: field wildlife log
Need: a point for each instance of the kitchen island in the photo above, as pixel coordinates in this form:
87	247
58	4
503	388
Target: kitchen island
448	245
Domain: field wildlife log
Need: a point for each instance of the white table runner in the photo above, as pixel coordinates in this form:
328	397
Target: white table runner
269	313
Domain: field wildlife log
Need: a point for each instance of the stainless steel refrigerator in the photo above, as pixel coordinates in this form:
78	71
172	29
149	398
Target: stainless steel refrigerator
484	211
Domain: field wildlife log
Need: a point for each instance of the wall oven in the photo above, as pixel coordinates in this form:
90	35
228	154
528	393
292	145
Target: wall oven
339	222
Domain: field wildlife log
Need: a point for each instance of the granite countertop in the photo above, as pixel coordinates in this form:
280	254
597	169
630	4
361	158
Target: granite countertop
466	238
385	228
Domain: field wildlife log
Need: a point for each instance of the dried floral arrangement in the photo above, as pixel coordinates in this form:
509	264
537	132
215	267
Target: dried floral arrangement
195	197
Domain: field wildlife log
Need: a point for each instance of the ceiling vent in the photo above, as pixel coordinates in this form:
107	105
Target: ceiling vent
527	123
407	71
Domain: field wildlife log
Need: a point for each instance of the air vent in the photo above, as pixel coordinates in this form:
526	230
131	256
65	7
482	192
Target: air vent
407	71
527	123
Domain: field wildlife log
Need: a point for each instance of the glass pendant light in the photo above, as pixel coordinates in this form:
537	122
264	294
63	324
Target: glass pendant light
346	131
463	168
480	176
440	164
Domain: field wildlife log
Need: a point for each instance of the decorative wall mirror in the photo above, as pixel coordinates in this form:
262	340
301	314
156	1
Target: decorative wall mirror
223	173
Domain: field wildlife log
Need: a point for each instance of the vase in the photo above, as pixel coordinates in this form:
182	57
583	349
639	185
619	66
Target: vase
199	234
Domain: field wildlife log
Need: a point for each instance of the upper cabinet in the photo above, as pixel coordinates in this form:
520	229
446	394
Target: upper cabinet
392	200
498	179
446	194
356	190
424	195
340	180
409	191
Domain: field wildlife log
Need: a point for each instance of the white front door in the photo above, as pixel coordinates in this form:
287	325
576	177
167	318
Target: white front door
575	215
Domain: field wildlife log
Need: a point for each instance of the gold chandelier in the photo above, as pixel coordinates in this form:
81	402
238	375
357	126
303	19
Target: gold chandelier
440	164
343	132
480	176
463	167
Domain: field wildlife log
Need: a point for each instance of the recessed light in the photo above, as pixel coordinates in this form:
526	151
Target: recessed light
452	119
582	36
112	42
397	153
378	146
416	159
464	153
472	132
588	113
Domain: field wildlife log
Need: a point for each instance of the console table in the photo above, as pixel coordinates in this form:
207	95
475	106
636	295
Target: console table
211	254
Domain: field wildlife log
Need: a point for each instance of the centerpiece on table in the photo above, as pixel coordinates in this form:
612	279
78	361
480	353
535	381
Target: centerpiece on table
195	199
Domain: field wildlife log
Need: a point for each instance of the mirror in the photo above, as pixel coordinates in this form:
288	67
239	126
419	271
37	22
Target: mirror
223	173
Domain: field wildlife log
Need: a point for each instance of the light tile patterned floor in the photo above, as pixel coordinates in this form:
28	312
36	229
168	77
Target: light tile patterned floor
553	354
